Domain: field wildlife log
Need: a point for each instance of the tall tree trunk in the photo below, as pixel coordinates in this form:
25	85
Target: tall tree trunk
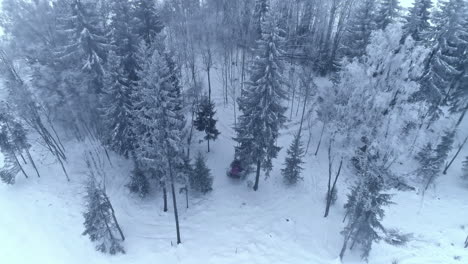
330	192
209	83
454	157
174	203
186	196
343	249
208	140
22	157
320	140
257	176
165	198
63	168
113	217
19	165
33	163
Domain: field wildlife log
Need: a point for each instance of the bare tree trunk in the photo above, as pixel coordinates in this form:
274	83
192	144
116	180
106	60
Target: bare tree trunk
19	165
343	249
209	83
174	203
310	137
330	191
257	176
466	242
186	196
63	168
454	157
189	138
303	111
320	140
33	163
165	197
208	140
113	217
22	157
292	101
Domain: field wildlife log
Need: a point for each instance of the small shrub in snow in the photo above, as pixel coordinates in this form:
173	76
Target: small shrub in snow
396	238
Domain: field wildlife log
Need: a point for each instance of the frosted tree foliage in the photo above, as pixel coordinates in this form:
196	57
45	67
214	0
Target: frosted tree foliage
261	104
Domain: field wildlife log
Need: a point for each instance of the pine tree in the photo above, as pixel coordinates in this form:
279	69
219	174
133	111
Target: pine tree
82	56
148	21
445	146
428	167
121	80
159	115
292	171
86	43
417	22
431	161
139	183
445	71
259	17
117	107
261	105
387	13
456	32
13	143
100	223
364	214
201	179
358	33
205	120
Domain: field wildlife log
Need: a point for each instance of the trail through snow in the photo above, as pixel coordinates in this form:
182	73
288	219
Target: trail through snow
41	219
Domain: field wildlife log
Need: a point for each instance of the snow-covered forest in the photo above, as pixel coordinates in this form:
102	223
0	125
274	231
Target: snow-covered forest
233	131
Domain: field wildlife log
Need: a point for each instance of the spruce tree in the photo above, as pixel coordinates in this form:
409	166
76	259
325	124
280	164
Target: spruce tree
82	56
117	108
139	183
100	223
261	105
259	17
431	161
441	82
121	80
86	43
148	22
387	13
159	114
364	214
292	171
417	22
13	143
201	179
428	165
205	120
445	146
358	33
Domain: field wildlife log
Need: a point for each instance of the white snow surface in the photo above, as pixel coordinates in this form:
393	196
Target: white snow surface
41	218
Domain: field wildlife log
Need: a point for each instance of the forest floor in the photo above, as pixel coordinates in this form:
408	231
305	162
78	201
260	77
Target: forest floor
41	218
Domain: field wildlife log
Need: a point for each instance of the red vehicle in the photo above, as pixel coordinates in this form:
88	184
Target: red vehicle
236	169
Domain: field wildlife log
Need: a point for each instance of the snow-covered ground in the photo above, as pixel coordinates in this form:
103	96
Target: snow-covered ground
41	218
